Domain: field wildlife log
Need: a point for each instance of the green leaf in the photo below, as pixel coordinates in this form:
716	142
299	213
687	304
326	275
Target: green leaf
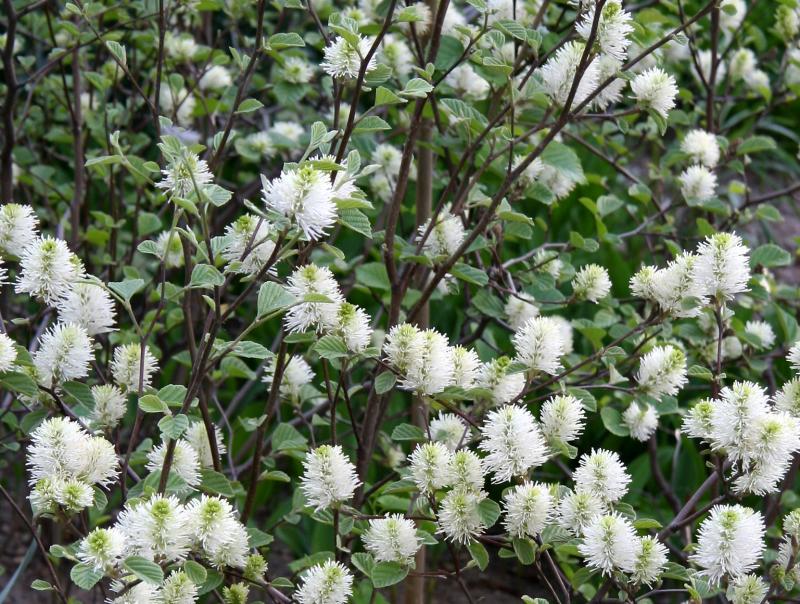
287	437
489	512
173	426
373	275
564	159
479	554
470	274
117	50
612	420
150	403
206	276
384	96
702	373
754	144
215	483
19	382
417	88
385	382
85	576
363	562
144	569
80	393
285	40
408	432
769	255
524	550
40	585
126	289
331	347
371	123
271	297
249	105
356	220
385	574
196	572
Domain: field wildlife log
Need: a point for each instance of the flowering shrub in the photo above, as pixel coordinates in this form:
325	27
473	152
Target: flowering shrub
324	302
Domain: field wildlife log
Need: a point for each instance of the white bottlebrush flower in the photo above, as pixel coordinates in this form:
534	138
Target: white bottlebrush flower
180	103
430	465
788	397
675	288
95	461
141	593
763	332
793	357
655	89
609	543
466	365
591	283
495	377
130	370
459	515
467	83
731	14
65	352
18	227
702	147
747	589
602	474
182	48
643	282
90	306
540	345
608	67
431	370
519	309
758	81
197	437
326	583
329	477
613	28
314	281
392	539
722	267
296	70
562	418
215	78
662	371
304	195
291	131
185	175
576	510
787	22
343	59
110	405
528	508
170	249
513	442
184	462
52	445
560	70
445	237
773	440
729	542
395	53
179	589
73	495
216	532
532	171
261	144
352	324
402	346
102	549
466	471
641	420
248	244
743	64
704	58
698	183
8	353
559	182
388	157
156	528
296	374
450	430
48	270
733	417
650	559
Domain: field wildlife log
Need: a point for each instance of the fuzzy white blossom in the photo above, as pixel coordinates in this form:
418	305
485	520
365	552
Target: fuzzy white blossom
65	352
296	374
559	72
466	366
445	236
329	477
185	463
609	543
48	270
540	345
730	542
641	420
141	593
392	539
467	83
702	147
576	510
304	195
655	89
722	266
422	357
698	183
613	28
178	588
430	465
395	53
609	67
675	286
591	283
650	560
450	430
662	371
761	331
110	405
248	244
459	515
197	437
743	64
170	249
466	470
185	174
18	227
90	306
102	549
156	528
519	309
216	532
130	370
352	325
562	418
788	397
513	443
603	475
529	508
343	59
747	589
215	78
312	280
504	385
8	353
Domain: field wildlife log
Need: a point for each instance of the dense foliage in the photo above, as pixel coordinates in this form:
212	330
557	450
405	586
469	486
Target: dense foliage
321	301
